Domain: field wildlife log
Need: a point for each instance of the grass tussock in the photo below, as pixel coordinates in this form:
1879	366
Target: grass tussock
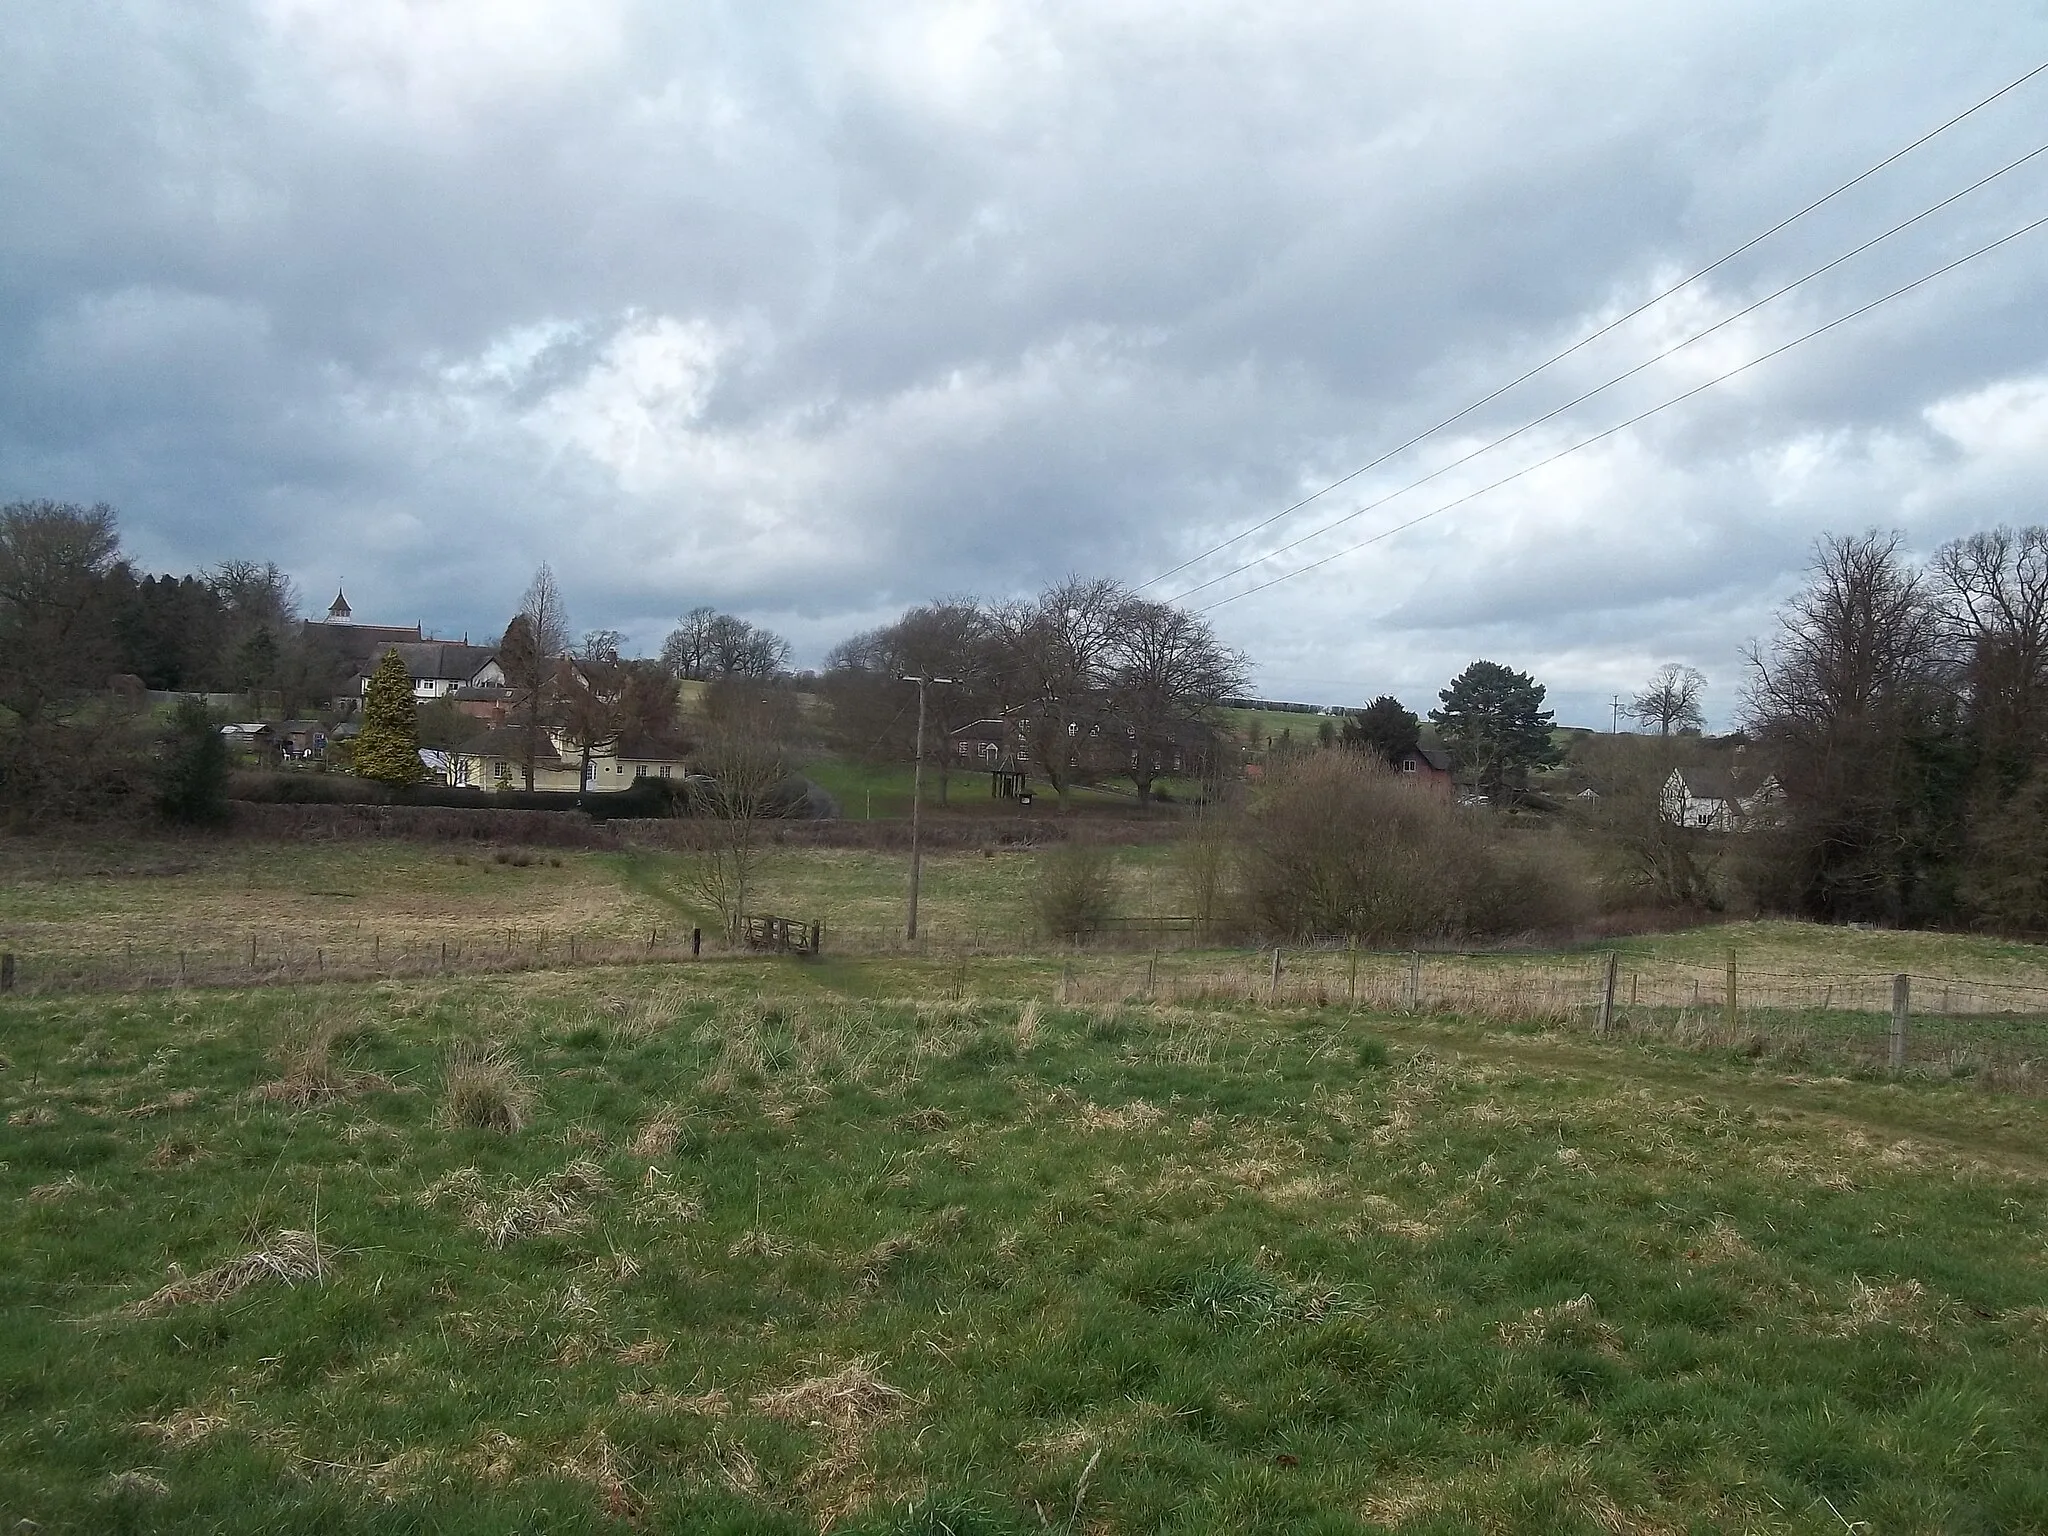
657	1137
312	1066
185	1426
1029	1020
137	1485
289	1258
842	1401
1574	1324
549	1206
483	1089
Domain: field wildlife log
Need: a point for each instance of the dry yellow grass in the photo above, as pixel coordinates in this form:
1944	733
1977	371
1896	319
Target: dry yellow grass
289	1258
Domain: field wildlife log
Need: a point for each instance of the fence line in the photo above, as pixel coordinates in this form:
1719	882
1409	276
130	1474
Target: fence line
1993	1032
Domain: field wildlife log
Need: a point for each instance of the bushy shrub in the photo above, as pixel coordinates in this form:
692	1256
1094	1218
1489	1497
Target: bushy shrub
192	768
2004	884
1340	845
1076	891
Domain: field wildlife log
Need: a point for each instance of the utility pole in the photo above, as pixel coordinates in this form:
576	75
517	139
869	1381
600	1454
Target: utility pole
917	802
1614	720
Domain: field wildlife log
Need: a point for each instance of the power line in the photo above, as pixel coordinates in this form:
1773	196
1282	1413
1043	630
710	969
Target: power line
1633	420
1593	336
1675	347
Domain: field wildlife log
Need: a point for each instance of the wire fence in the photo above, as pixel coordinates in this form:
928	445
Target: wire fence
277	958
1993	1033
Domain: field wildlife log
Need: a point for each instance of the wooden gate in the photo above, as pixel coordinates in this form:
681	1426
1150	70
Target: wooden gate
783	935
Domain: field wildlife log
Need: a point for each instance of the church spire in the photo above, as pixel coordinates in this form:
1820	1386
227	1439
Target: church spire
338	611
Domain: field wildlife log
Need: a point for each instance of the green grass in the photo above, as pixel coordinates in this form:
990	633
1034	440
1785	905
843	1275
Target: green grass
781	1246
1810	949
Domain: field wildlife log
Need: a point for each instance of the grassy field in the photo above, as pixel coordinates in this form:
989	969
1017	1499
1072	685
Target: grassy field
63	903
761	1247
66	904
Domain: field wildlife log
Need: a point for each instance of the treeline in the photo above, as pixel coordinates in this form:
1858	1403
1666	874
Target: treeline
1904	708
77	613
1087	682
76	619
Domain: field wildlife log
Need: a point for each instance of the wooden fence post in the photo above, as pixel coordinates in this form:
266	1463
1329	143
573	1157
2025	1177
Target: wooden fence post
1730	1015
1607	994
1411	984
1273	987
1066	980
7	972
1351	985
1902	1004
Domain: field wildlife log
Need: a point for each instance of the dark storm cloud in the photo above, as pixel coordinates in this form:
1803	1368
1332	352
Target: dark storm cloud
824	310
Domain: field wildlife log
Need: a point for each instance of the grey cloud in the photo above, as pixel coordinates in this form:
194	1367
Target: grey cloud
1085	290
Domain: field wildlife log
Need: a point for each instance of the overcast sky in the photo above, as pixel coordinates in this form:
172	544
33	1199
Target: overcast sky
816	311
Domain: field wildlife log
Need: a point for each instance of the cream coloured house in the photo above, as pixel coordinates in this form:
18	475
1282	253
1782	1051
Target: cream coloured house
496	760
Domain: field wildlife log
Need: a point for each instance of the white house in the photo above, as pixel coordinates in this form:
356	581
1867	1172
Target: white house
1712	799
439	668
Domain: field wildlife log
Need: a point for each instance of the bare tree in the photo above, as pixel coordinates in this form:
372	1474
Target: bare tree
547	614
1164	672
535	640
600	645
1650	856
708	645
871	715
255	595
687	651
1854	686
1053	656
56	641
740	649
528	674
1671	699
740	780
1994	592
591	697
651	707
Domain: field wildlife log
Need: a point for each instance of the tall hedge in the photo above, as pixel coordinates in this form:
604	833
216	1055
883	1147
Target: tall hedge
192	768
389	747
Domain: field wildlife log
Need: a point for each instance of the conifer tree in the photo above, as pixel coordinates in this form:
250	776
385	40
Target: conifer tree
192	768
389	747
1496	729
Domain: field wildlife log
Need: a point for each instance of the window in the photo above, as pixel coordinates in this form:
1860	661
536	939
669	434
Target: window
1407	765
665	771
